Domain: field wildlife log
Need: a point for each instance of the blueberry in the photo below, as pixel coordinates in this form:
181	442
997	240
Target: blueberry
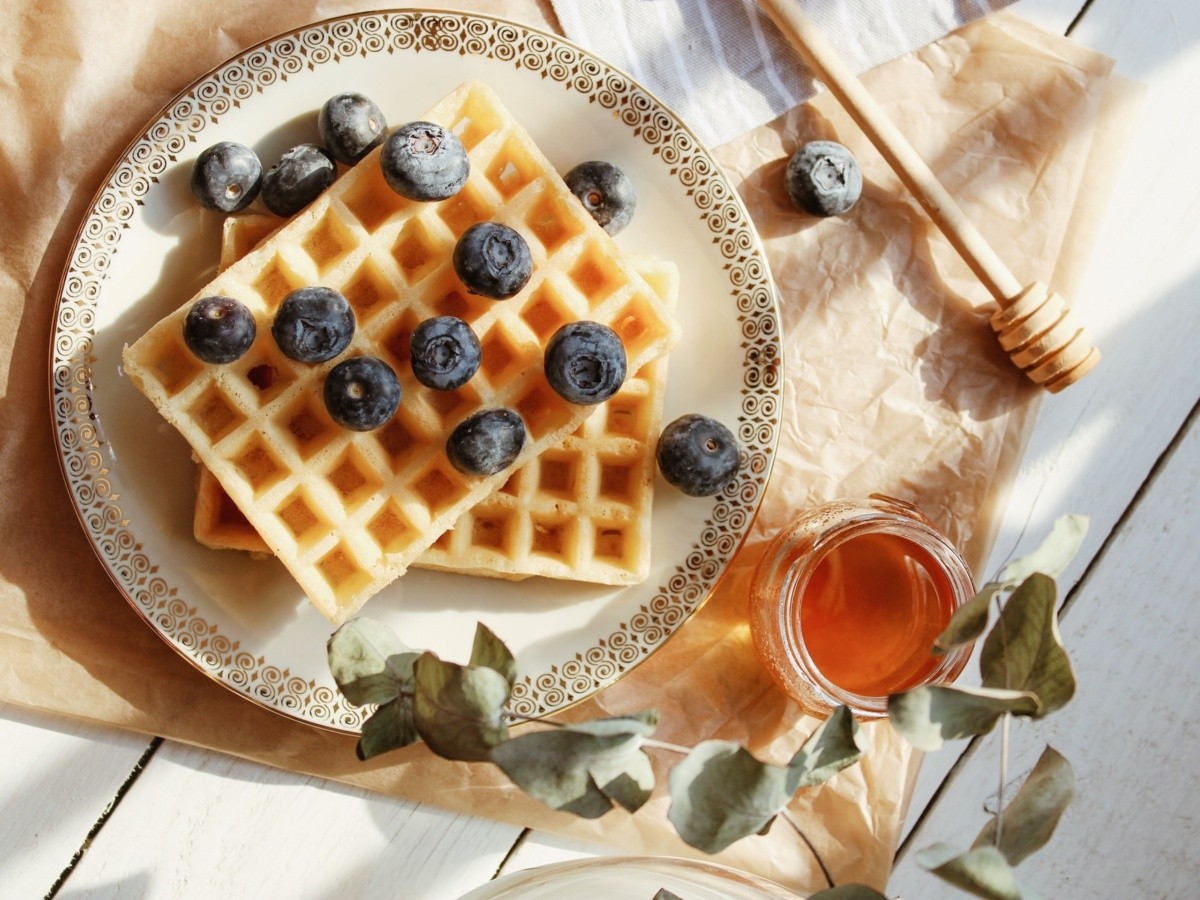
219	329
313	324
493	260
226	177
486	442
445	353
823	179
424	161
698	455
297	179
361	393
585	362
351	126
605	191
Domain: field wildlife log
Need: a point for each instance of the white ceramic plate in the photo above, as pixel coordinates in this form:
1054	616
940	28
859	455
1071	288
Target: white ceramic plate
145	247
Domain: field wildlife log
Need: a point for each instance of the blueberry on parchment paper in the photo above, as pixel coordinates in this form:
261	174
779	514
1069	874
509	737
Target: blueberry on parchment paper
823	179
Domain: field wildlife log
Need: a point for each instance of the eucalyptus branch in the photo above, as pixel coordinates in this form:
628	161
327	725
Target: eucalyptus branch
720	792
1005	720
521	717
663	745
1025	671
812	848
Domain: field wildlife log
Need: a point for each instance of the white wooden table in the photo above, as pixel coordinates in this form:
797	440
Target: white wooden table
89	812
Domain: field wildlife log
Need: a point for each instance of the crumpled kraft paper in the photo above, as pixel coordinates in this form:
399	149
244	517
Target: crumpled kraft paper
893	382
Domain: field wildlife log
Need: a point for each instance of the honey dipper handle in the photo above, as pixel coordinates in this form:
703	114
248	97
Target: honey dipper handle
828	66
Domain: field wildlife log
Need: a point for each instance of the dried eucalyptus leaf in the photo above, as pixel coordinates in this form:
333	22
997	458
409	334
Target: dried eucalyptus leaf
982	872
664	894
848	892
1053	555
569	768
968	621
831	748
369	663
459	710
627	779
388	728
1024	651
641	723
931	715
1032	815
721	793
488	650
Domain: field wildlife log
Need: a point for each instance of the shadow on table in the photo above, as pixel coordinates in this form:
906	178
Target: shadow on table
136	885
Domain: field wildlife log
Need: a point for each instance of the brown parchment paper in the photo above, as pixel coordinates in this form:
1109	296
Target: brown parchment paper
893	384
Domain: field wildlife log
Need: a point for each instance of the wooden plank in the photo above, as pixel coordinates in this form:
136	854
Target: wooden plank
58	776
201	824
1094	443
1131	730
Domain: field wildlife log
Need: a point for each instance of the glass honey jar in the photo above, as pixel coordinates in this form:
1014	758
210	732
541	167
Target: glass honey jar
848	599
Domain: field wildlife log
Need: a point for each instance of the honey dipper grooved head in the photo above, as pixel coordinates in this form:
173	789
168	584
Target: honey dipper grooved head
1044	339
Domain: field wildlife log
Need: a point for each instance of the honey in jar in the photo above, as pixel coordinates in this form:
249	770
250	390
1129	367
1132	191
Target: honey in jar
848	600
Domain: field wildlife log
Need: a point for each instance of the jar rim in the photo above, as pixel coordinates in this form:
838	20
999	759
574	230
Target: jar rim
797	573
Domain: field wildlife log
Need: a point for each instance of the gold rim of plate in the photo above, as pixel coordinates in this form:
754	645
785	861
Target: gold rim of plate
87	463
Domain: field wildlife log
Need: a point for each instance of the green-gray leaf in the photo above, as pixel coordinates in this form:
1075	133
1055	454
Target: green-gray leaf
848	892
664	894
982	872
831	748
369	663
642	723
1051	558
1053	555
627	777
968	621
721	793
488	650
459	710
389	728
931	715
582	768
1032	815
1024	651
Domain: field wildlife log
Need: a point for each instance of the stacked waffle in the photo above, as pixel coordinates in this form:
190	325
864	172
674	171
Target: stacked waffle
347	512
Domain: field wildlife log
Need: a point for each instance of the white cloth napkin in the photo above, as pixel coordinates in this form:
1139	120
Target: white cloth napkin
722	66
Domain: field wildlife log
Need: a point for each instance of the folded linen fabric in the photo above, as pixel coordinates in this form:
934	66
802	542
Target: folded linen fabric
721	64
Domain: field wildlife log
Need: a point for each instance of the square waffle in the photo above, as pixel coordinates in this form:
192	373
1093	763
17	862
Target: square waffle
347	512
580	511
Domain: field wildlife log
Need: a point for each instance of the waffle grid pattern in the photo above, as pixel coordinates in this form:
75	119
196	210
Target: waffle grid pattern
348	512
580	511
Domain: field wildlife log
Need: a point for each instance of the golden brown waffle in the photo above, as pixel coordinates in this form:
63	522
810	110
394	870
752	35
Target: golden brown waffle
347	512
581	511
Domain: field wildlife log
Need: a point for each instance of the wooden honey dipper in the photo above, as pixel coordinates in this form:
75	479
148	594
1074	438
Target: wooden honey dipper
1033	323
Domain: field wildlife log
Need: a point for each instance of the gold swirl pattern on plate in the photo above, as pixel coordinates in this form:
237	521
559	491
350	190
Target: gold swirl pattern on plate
86	460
